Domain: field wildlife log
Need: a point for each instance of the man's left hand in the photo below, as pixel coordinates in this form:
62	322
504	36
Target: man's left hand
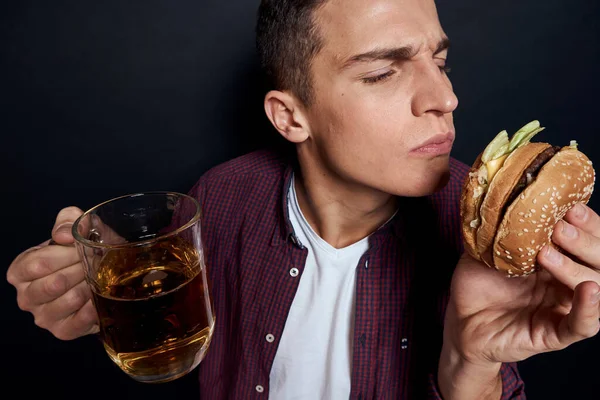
492	319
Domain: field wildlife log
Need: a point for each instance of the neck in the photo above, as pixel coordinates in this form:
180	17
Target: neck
340	211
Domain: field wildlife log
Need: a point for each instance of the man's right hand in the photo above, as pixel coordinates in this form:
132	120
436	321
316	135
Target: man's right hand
50	283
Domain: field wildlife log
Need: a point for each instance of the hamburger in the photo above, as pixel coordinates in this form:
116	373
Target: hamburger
515	193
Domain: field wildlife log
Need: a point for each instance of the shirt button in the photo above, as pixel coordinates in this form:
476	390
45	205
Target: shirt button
294	272
260	389
270	338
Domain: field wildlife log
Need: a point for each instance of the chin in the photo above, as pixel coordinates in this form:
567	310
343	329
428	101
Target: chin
421	184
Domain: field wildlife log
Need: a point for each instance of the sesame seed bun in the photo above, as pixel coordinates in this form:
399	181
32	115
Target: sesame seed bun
567	179
516	219
498	194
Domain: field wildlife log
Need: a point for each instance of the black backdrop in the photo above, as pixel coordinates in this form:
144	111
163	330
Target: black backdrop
102	98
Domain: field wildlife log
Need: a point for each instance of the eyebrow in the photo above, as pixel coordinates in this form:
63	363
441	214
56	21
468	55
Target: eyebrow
402	53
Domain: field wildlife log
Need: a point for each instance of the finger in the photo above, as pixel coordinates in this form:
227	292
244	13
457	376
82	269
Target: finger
52	313
61	233
51	287
582	322
584	218
564	269
578	242
81	323
42	262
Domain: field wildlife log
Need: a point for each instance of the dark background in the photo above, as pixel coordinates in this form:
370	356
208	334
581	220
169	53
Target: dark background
102	98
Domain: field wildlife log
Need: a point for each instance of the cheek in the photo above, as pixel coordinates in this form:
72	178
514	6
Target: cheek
372	121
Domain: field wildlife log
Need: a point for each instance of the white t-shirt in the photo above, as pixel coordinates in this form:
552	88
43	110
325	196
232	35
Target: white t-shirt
314	357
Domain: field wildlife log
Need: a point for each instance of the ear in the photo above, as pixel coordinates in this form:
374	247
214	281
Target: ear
287	115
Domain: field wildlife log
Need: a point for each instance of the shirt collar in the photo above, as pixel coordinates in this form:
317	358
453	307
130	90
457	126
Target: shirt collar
284	232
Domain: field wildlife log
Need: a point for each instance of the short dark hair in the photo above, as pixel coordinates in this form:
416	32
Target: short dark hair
287	40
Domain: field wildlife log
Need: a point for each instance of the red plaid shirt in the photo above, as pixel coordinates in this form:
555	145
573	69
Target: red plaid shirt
255	264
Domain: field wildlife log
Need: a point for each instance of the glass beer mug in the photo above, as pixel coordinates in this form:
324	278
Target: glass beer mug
143	260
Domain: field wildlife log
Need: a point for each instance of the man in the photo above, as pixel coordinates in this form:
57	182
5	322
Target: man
331	271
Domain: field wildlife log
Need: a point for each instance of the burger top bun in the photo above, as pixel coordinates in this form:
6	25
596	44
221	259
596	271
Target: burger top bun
565	180
498	193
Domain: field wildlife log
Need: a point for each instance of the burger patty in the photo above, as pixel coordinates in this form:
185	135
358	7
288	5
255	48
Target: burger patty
532	171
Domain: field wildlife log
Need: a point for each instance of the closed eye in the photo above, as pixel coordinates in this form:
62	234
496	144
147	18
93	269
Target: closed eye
378	78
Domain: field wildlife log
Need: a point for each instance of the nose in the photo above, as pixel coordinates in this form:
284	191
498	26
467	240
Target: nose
433	92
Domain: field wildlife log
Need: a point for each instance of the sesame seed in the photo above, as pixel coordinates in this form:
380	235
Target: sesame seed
537	230
530	259
544	216
520	249
526	230
533	242
507	252
509	257
540	225
522	197
524	263
521	213
520	234
498	253
542	194
521	220
532	211
548	190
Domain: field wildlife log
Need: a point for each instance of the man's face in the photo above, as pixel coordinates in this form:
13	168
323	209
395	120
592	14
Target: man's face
380	94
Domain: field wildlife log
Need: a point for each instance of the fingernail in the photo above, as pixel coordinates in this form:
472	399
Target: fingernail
596	297
552	256
579	211
568	230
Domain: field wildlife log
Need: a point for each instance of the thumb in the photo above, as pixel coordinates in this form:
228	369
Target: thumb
61	232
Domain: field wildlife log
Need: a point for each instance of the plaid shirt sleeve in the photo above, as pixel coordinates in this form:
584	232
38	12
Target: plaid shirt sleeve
513	387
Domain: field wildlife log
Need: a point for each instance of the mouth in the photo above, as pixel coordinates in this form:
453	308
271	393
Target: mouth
437	145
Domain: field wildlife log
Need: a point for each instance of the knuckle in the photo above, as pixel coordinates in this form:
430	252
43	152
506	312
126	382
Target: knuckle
18	264
74	299
42	322
23	302
54	286
585	242
575	270
586	330
11	276
39	267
